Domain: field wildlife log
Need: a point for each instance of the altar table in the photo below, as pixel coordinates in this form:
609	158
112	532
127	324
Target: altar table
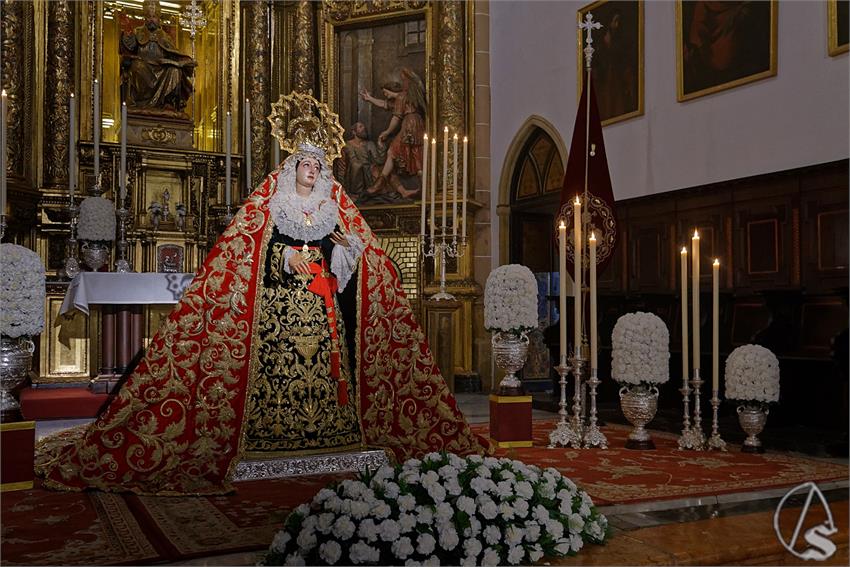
121	297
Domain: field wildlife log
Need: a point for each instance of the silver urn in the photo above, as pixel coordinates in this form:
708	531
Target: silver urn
639	405
15	364
95	254
752	420
510	351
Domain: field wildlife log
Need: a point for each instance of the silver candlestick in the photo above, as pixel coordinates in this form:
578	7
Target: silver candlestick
440	250
72	262
696	429
564	433
577	423
715	442
687	439
122	265
593	436
2	225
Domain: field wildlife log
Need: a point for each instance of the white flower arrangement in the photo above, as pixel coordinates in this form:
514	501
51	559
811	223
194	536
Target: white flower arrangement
97	220
640	350
22	291
752	375
442	510
510	300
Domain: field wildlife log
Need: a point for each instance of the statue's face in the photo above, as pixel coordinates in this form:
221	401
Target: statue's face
307	172
359	130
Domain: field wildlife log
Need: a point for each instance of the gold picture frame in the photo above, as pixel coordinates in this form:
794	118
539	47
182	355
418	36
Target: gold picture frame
405	31
618	60
743	54
837	13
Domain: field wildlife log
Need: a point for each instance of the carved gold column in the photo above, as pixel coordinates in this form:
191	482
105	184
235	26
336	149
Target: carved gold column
451	80
59	83
304	57
258	83
13	81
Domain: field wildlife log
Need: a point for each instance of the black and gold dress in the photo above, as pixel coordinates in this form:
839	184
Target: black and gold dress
301	362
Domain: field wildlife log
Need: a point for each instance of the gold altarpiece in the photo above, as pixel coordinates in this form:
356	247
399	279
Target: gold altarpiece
251	51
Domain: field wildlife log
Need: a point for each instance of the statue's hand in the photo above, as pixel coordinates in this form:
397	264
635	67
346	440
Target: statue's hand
364	94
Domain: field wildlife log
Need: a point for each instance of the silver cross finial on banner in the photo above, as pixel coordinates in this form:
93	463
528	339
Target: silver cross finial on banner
589	25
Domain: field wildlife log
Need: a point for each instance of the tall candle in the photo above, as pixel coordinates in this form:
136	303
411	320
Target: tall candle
465	186
97	120
227	159
433	184
122	179
594	347
276	152
685	345
3	111
578	251
248	183
562	292
445	172
423	194
715	325
72	146
695	297
454	192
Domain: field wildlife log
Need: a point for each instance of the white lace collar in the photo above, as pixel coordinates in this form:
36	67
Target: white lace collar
303	218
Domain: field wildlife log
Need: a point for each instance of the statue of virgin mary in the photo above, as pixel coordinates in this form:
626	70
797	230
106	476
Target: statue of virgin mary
294	338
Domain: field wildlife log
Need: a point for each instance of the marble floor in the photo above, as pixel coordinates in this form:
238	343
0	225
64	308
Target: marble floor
671	532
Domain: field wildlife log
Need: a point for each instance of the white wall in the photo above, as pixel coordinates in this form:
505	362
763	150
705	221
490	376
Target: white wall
799	117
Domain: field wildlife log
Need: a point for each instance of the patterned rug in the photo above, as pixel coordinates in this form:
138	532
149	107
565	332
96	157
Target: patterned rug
622	476
43	527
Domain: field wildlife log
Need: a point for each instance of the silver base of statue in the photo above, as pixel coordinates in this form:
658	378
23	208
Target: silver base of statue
715	442
593	436
261	469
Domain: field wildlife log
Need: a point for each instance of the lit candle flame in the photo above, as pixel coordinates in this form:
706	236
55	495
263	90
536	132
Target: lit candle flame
696	234
716	262
455	136
684	250
445	128
425	138
562	225
577	202
465	139
592	236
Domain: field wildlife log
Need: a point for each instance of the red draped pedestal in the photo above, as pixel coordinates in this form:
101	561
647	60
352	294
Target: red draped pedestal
17	440
510	421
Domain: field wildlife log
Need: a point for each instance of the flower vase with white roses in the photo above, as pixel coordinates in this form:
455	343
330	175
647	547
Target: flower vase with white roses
640	362
96	229
752	380
510	313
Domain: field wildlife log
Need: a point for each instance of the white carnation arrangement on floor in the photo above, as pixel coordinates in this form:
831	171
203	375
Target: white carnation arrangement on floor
97	220
752	375
510	300
22	290
442	510
640	350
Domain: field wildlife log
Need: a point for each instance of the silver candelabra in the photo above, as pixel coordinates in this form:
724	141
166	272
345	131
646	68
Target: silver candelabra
593	436
696	429
688	439
72	258
568	433
715	442
440	249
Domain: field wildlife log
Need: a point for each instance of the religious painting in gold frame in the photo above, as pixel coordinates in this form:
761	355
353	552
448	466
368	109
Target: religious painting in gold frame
617	66
376	68
722	45
838	21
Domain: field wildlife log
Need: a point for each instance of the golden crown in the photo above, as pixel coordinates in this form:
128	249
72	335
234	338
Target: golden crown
298	119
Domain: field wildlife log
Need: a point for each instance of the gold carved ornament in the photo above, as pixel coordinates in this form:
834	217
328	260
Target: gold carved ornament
300	120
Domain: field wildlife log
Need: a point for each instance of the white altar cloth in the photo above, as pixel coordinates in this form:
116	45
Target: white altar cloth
113	288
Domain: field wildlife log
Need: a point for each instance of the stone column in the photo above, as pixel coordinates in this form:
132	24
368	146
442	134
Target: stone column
451	79
59	83
258	84
304	56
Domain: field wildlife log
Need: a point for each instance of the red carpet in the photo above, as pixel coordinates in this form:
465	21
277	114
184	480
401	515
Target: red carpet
56	403
42	527
621	476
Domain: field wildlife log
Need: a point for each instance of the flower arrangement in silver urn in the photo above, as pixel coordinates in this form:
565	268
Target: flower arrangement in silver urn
441	510
97	230
640	361
22	292
510	313
752	380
